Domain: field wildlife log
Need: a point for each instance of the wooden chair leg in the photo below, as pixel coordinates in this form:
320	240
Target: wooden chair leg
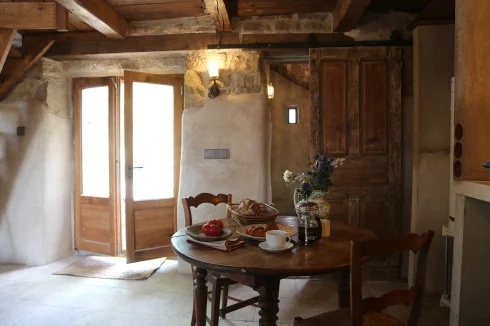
215	300
193	319
224	302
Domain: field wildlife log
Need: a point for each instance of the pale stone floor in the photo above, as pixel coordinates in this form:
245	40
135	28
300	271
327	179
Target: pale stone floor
33	296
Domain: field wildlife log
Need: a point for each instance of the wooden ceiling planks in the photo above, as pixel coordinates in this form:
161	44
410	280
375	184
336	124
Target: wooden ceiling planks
134	10
283	7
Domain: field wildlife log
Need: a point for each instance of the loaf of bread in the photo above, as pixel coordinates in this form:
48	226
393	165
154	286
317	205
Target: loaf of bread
256	231
248	207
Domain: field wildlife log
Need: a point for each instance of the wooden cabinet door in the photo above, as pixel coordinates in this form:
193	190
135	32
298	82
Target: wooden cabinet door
152	141
95	140
355	96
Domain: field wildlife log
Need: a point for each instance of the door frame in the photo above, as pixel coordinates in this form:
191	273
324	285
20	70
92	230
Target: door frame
133	255
78	85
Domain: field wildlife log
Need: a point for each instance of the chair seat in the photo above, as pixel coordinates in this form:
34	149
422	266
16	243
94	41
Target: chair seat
343	318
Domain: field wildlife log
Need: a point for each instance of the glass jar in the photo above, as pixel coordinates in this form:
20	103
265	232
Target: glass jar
309	223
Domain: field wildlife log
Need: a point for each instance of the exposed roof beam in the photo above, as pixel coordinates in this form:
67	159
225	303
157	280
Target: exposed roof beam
15	68
86	45
438	12
100	15
294	38
216	9
33	15
6	38
347	14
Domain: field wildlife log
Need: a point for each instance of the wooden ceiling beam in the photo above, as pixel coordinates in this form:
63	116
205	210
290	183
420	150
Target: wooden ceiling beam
437	12
6	39
347	14
16	68
294	38
100	15
33	16
74	46
217	11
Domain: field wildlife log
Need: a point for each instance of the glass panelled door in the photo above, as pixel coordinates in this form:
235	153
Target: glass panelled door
95	165
152	141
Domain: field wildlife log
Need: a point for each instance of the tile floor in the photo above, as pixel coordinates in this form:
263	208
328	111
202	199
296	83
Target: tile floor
33	296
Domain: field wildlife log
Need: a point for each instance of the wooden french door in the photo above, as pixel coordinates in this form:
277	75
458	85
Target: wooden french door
356	114
95	133
152	143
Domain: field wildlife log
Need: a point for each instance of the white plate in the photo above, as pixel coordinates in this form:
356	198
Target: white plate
243	231
265	246
195	232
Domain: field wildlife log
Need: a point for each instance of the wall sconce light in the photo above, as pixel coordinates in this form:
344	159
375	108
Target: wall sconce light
213	70
270	90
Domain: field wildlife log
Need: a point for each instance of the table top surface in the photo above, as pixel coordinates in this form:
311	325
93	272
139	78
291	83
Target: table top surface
328	255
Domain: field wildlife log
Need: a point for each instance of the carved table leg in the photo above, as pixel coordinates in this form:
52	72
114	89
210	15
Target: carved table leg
268	301
201	296
343	282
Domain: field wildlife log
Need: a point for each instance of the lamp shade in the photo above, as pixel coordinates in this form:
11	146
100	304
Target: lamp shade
213	69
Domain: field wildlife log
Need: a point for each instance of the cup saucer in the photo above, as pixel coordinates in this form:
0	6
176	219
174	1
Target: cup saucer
265	246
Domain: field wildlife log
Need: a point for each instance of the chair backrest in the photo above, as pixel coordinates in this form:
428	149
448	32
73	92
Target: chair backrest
418	244
202	198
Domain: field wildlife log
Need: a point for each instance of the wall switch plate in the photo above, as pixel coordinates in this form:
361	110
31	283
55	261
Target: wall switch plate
21	131
216	154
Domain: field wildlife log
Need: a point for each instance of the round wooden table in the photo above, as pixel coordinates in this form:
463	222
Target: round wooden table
263	271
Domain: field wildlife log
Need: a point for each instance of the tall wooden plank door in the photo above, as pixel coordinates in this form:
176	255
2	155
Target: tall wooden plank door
356	114
96	212
152	142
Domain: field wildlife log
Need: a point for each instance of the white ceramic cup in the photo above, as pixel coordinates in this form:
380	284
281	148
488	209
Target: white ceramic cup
277	239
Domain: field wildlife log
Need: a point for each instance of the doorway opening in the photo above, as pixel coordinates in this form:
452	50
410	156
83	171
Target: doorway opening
127	161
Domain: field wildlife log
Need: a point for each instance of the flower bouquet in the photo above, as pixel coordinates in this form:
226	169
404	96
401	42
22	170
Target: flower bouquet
318	179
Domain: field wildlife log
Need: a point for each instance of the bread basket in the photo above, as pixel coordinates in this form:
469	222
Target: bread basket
266	214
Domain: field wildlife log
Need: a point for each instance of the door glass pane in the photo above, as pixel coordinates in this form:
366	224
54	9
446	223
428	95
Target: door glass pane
153	141
95	142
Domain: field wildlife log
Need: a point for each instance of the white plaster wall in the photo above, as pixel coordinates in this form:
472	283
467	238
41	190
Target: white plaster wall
35	192
236	122
433	70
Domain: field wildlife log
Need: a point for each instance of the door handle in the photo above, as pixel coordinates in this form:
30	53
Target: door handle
487	166
133	167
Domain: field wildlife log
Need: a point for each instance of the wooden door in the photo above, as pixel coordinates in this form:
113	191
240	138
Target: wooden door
356	114
152	142
96	212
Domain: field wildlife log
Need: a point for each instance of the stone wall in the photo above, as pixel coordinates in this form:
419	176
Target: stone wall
239	74
296	23
35	169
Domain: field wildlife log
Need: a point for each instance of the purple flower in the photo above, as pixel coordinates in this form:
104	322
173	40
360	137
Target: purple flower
309	173
324	157
306	186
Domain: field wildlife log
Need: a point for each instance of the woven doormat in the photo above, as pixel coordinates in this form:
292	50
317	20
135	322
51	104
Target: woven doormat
111	268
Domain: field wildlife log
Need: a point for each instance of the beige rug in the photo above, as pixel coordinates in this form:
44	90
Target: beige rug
112	268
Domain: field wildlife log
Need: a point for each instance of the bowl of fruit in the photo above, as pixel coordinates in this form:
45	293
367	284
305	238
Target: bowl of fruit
212	230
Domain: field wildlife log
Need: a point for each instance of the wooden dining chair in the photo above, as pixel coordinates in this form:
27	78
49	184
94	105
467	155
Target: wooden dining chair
220	284
369	311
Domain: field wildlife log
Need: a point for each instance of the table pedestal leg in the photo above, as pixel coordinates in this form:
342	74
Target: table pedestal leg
200	296
343	282
268	301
